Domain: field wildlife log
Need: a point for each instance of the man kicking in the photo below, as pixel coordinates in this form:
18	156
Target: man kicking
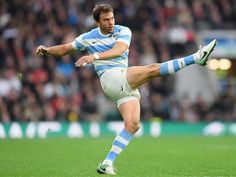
108	48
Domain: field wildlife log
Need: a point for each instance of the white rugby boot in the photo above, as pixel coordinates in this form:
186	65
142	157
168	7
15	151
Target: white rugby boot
205	52
106	169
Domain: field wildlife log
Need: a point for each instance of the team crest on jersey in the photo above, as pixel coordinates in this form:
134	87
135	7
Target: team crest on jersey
115	35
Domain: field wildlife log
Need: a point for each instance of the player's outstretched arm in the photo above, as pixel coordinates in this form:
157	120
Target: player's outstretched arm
58	50
118	49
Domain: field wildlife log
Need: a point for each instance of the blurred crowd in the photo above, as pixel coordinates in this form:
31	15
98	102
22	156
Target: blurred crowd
49	88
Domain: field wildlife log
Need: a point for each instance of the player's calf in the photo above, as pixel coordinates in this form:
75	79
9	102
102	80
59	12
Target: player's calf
153	70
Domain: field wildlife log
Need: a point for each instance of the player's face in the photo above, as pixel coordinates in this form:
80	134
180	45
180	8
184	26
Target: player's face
106	22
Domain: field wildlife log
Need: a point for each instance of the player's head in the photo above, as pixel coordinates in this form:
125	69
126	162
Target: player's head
104	17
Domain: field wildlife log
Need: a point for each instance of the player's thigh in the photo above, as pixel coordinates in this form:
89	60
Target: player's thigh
138	75
116	87
130	111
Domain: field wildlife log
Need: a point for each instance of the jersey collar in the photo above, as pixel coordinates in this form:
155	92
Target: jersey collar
105	35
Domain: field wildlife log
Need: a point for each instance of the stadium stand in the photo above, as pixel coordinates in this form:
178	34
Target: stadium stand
49	88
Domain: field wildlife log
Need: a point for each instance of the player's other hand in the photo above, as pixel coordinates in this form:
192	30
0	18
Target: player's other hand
81	62
41	50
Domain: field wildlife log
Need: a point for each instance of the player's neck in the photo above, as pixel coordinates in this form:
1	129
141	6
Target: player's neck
103	33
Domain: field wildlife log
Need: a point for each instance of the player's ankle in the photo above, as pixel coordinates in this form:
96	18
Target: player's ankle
108	162
197	56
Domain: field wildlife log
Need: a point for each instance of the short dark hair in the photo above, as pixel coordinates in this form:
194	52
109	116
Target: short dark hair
101	8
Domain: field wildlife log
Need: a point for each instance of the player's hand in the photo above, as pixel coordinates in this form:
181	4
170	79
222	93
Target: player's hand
41	50
81	62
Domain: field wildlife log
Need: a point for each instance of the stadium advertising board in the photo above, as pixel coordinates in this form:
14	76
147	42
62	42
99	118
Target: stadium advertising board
78	130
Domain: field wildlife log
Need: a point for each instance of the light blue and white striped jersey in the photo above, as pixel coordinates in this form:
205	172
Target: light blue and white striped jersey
94	41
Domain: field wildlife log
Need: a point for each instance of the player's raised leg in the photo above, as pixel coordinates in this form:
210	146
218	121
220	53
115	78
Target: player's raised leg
130	112
137	75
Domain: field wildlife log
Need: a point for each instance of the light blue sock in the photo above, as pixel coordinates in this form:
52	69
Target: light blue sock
119	144
173	66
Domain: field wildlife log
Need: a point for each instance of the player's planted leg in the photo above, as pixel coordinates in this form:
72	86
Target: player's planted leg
119	144
130	112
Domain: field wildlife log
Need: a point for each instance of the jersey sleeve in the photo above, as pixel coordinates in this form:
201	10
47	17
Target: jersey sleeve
125	35
78	43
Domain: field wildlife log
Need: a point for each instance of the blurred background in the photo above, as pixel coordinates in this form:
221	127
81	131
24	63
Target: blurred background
35	89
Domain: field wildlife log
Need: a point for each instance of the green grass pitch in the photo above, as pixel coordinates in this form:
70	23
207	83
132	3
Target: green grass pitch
165	156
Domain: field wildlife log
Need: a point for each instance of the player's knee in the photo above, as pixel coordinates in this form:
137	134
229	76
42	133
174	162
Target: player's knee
154	69
132	126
